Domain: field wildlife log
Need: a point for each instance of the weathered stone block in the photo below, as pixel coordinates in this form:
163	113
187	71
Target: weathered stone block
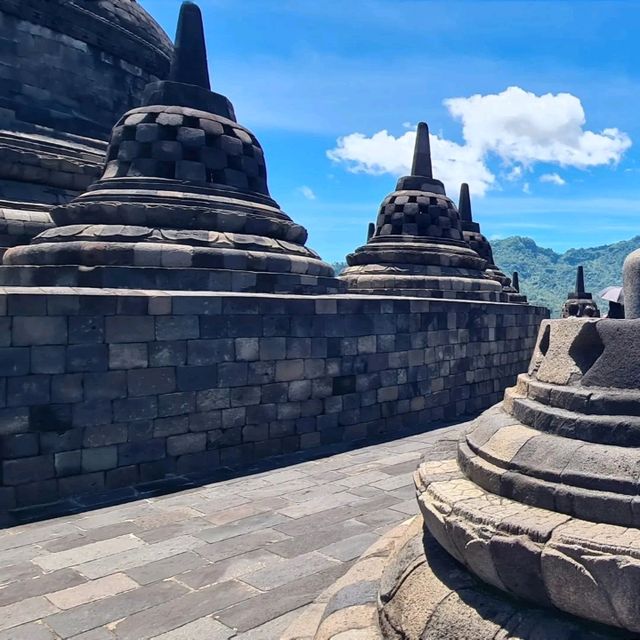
129	329
186	443
128	356
48	359
99	458
177	327
25	470
148	382
39	330
133	409
86	329
196	378
87	357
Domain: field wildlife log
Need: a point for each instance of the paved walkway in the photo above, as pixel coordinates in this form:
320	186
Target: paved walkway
233	559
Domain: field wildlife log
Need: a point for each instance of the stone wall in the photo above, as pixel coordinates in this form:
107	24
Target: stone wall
100	391
70	70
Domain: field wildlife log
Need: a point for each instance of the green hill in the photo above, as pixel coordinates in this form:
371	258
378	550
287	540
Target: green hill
546	276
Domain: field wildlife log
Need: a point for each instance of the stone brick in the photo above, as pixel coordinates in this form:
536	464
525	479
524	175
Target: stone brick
128	356
129	329
213	399
177	327
28	390
67	388
186	443
68	463
86	329
25	470
143	451
273	348
132	409
163	427
199	461
247	349
196	378
255	432
105	386
14	361
205	421
232	374
92	412
299	390
233	417
168	354
80	484
87	357
287	370
209	352
99	458
48	359
174	404
148	382
19	445
245	396
103	435
39	330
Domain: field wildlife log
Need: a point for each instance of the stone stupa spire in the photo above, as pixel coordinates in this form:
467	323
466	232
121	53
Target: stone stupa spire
183	203
579	302
421	165
189	64
464	203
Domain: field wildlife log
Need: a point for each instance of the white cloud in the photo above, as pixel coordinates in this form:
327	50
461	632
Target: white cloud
553	178
526	188
384	153
517	126
307	192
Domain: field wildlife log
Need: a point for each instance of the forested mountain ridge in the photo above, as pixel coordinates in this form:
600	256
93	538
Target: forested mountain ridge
546	276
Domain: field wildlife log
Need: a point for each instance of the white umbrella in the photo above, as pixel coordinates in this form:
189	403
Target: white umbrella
612	294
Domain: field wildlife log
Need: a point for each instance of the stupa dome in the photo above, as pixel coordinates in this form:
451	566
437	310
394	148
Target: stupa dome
70	68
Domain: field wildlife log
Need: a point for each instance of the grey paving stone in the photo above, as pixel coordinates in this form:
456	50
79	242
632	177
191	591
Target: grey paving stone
349	548
205	628
97	614
246	525
166	568
240	544
27	610
321	538
183	609
30	631
228	569
54	581
288	570
274	603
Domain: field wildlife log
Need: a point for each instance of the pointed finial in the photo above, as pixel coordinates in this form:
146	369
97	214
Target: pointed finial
580	280
515	281
464	204
422	153
370	231
189	65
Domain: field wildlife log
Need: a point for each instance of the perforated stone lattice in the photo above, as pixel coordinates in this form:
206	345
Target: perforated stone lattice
188	145
417	214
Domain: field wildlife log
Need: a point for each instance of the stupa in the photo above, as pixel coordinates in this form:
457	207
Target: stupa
183	202
70	68
580	303
532	529
417	247
479	243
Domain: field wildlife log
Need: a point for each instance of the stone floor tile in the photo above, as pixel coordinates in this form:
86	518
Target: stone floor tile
101	633
240	544
28	610
30	631
288	571
97	614
166	568
321	503
271	630
87	552
383	516
179	611
22	589
362	479
349	548
244	511
15	572
407	507
138	557
276	602
230	568
202	629
246	525
92	591
321	538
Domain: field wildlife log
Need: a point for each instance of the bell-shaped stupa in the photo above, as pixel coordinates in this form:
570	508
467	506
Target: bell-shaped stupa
479	243
579	302
183	202
417	247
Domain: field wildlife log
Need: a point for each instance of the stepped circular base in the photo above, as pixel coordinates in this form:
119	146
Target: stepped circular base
590	570
168	279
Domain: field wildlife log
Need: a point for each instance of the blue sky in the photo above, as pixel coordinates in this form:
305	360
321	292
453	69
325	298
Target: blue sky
306	76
